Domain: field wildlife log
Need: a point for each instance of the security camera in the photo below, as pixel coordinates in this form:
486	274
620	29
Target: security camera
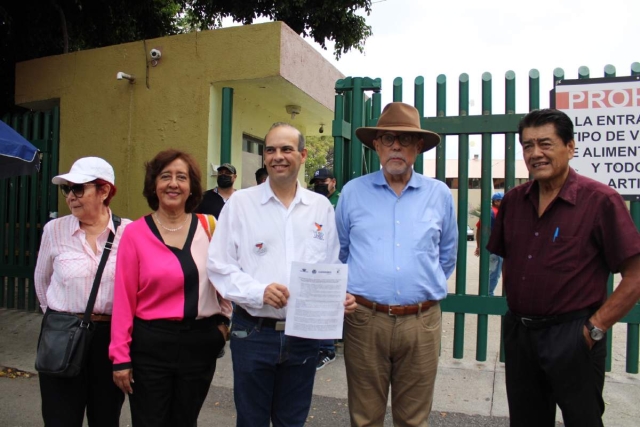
155	54
294	110
321	130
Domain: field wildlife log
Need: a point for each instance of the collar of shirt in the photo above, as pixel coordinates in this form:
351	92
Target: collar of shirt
380	180
302	196
568	192
76	226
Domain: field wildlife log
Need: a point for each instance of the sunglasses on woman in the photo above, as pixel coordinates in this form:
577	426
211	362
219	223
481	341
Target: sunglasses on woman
76	189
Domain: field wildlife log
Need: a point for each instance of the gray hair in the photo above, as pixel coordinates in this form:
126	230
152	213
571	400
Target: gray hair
301	140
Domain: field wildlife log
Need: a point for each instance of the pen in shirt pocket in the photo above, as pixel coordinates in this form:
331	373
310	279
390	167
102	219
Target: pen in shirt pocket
555	234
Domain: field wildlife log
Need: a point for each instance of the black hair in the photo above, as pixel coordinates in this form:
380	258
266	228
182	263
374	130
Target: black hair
537	118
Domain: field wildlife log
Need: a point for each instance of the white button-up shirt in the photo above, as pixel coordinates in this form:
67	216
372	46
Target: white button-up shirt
67	266
257	238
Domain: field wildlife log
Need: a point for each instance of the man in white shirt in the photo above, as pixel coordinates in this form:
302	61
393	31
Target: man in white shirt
261	231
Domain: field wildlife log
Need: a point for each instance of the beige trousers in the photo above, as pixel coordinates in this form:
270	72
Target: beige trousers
383	351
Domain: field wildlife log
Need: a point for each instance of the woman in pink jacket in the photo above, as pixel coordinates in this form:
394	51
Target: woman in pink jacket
169	323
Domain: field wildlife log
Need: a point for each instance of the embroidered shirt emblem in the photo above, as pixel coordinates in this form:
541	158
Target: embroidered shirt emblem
260	249
318	234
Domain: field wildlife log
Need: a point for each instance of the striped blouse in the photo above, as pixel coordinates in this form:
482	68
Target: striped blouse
67	266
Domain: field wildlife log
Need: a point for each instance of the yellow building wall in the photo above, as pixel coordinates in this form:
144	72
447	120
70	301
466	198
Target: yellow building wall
174	103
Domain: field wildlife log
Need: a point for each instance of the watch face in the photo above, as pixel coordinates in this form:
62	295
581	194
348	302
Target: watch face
596	334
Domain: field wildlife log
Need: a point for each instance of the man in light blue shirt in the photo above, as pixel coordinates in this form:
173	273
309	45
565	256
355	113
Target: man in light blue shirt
398	234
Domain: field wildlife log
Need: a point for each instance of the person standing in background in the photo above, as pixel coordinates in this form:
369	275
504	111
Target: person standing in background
323	182
495	261
261	176
213	200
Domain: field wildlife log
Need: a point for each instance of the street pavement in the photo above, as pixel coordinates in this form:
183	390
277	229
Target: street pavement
468	392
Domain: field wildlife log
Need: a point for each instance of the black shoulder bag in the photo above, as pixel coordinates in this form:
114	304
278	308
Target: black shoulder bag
64	337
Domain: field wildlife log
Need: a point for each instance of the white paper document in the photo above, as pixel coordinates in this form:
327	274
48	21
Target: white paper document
315	308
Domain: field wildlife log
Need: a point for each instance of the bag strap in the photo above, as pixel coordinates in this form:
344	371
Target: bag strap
86	321
212	224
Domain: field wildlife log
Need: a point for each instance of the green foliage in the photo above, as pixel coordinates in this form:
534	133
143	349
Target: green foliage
35	28
319	155
321	20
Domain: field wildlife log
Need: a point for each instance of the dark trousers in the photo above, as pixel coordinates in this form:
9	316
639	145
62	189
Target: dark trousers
173	365
550	366
64	399
273	375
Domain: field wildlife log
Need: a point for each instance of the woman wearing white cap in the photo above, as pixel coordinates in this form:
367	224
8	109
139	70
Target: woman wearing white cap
68	259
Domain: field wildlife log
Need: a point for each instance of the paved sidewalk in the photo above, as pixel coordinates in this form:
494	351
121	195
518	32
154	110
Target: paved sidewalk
468	393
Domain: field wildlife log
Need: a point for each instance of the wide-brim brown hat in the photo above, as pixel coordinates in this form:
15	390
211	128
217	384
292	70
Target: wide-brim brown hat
399	117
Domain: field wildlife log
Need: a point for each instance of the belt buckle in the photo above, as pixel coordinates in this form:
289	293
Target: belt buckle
390	313
280	324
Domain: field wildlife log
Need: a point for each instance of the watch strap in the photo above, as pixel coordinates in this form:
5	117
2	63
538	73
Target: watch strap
591	328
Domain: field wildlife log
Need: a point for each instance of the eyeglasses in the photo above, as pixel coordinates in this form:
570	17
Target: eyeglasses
76	189
405	139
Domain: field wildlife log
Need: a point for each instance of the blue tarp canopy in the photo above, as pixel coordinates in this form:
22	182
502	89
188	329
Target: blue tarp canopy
17	155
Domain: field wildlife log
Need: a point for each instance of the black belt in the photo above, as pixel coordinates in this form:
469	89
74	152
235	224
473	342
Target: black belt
541	322
269	322
183	324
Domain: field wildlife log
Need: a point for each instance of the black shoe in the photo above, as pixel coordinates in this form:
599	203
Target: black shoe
324	358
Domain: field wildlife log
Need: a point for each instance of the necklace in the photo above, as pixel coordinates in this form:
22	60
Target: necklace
155	214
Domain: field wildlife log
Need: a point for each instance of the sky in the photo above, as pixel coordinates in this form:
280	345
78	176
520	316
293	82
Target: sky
427	38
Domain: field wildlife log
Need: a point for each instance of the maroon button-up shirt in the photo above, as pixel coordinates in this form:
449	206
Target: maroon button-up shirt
560	262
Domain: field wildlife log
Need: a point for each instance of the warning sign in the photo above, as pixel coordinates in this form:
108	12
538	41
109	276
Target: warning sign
606	119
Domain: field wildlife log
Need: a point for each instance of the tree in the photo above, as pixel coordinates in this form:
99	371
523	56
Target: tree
321	20
35	28
319	155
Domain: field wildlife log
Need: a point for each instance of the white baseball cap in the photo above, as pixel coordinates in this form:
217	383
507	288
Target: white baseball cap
86	170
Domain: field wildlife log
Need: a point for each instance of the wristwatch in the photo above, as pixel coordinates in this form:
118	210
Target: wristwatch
596	333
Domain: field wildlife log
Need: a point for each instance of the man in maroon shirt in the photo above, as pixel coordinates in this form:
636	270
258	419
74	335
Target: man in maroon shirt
561	235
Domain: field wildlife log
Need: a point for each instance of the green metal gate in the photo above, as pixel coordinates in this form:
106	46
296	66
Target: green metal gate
27	202
353	159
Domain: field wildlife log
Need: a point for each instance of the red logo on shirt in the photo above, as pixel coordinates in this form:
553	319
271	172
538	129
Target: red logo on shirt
260	249
318	234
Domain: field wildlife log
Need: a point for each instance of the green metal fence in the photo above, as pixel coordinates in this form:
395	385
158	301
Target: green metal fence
352	159
26	205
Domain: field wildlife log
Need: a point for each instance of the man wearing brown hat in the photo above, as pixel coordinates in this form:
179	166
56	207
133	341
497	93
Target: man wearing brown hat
398	234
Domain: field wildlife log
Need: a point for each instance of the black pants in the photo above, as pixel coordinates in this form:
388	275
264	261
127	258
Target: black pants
64	399
550	366
173	365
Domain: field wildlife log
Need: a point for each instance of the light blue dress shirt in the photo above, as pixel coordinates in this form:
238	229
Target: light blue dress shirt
400	250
